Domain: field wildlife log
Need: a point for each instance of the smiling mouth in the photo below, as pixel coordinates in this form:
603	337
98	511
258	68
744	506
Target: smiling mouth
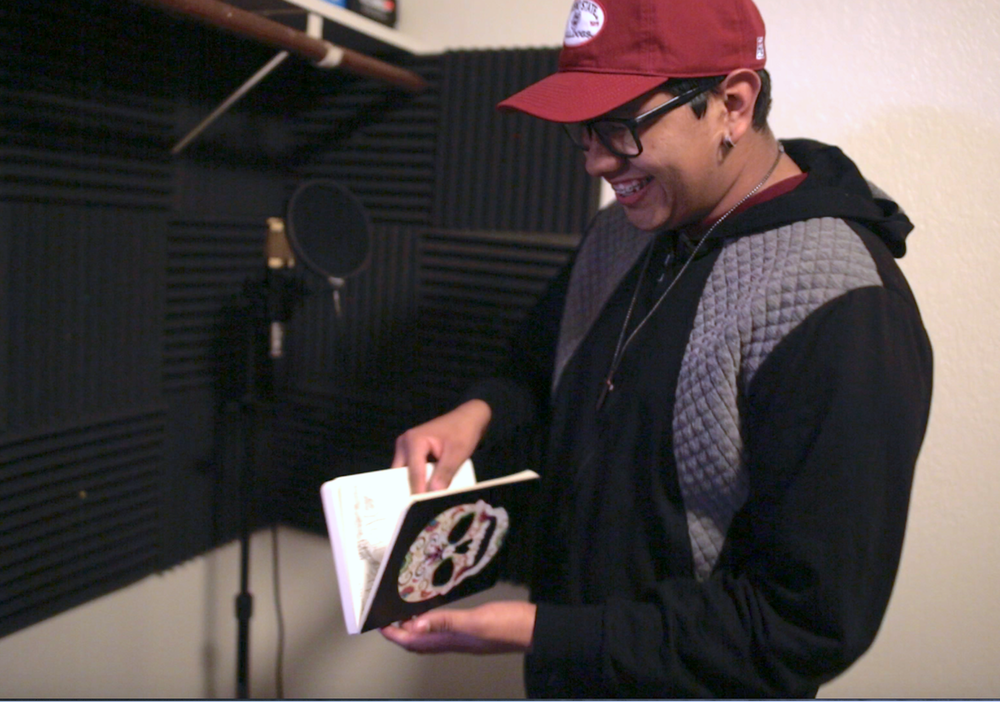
631	187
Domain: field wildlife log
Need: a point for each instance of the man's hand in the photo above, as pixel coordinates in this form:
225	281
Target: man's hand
448	439
496	627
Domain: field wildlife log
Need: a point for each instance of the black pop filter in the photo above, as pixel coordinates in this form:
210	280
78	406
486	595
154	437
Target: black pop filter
329	230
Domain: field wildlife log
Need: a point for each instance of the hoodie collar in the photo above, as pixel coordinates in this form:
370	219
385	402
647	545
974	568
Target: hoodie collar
834	187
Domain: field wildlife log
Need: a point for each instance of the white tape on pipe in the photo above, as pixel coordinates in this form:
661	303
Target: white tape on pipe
334	57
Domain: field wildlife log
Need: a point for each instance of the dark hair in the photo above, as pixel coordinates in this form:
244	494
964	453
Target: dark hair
700	104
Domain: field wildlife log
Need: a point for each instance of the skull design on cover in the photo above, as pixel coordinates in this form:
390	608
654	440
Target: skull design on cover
455	545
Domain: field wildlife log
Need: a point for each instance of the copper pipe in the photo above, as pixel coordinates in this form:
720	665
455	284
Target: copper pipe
319	51
371	67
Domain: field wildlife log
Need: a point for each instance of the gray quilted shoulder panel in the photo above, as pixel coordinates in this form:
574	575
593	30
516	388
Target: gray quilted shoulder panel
761	288
607	253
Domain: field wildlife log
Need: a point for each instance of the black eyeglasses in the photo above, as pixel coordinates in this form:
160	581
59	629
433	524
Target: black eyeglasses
618	134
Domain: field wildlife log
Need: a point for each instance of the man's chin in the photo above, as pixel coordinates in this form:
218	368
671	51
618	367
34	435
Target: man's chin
645	220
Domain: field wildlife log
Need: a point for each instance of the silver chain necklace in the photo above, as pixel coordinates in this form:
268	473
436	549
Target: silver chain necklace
608	384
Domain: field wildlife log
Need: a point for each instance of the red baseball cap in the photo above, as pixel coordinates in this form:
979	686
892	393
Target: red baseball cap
616	50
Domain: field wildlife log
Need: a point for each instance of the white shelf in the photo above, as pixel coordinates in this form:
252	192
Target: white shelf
360	25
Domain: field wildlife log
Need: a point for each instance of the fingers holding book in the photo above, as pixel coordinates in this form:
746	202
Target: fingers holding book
447	440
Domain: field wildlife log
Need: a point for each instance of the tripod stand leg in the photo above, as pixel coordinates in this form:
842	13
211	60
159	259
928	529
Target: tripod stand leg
244	611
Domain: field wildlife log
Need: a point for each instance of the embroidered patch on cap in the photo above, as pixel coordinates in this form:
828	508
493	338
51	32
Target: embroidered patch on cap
586	19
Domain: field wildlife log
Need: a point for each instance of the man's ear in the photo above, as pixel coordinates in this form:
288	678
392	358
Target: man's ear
739	96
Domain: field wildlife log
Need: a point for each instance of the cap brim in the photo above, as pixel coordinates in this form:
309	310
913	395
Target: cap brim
576	96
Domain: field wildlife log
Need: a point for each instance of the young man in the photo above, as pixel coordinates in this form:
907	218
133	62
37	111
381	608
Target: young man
733	375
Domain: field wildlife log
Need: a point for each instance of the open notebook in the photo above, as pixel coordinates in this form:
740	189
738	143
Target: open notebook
398	555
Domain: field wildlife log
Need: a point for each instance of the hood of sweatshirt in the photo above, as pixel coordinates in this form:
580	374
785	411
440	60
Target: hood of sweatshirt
834	187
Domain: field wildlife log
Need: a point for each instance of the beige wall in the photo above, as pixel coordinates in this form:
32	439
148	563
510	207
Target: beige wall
174	635
910	91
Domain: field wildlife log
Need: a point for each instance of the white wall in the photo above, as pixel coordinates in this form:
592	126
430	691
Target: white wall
174	635
910	91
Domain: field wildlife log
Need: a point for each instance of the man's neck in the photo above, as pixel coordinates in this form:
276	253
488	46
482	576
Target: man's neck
755	164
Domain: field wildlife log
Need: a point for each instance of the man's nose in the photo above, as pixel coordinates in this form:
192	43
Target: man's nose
601	162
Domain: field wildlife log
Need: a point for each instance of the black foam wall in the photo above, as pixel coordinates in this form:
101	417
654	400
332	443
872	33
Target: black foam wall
85	187
129	281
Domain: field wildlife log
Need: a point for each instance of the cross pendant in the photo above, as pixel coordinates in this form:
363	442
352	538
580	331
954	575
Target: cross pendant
606	387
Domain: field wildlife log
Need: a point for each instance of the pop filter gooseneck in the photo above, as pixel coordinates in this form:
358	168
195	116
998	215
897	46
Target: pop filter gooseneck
330	232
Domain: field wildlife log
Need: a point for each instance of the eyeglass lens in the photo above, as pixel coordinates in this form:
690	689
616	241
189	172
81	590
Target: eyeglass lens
615	136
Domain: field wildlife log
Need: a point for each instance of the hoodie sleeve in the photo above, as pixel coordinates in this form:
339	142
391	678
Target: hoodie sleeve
518	394
835	419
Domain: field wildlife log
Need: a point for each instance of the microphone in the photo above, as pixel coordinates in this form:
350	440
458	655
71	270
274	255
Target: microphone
279	257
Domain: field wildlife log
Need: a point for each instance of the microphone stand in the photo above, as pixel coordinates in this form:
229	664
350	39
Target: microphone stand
258	392
271	302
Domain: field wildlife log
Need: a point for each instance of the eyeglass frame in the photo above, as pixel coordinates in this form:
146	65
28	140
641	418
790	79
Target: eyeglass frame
632	123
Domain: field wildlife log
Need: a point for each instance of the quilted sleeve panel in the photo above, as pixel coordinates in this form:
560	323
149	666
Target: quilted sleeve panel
761	288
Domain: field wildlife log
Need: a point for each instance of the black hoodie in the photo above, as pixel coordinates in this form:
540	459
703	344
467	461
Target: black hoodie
728	521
